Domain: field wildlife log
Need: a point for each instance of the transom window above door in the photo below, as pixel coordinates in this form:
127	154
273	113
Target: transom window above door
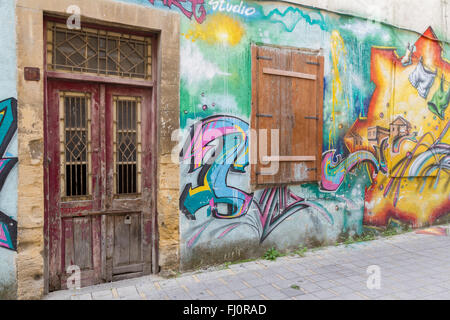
98	52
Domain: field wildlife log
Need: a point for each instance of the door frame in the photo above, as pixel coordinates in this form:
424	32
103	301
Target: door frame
102	82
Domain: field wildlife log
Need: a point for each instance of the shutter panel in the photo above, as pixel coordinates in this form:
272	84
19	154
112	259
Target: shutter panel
306	104
266	110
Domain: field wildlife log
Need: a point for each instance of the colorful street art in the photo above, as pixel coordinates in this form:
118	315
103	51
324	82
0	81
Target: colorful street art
439	103
230	155
434	231
8	127
226	6
8	232
333	173
418	139
277	204
219	29
289	17
196	9
386	124
214	162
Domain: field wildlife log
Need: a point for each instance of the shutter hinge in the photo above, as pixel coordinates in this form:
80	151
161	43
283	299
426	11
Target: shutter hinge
312	118
262	115
263	58
312	62
311	169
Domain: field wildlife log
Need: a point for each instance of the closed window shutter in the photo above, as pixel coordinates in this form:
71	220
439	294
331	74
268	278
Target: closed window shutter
287	95
266	110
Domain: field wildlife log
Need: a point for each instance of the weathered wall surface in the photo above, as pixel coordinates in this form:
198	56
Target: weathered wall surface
415	15
8	152
374	84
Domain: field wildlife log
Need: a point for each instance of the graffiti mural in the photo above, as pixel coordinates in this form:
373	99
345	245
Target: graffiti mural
225	6
217	146
412	150
333	172
8	127
8	232
291	16
385	157
277	204
230	155
219	29
195	8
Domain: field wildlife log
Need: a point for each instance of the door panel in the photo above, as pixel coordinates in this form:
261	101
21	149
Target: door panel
97	174
129	169
73	184
127	244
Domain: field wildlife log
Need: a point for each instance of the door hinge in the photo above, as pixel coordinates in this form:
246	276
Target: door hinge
263	58
312	62
312	118
311	169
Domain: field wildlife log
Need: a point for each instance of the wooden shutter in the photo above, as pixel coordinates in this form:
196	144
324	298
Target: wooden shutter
287	93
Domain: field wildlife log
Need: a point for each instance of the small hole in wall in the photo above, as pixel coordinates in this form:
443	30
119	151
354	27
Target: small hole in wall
37	277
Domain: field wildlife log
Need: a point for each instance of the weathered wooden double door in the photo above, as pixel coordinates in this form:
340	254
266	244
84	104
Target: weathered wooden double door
99	188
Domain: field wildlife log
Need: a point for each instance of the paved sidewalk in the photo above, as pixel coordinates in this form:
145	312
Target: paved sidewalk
413	266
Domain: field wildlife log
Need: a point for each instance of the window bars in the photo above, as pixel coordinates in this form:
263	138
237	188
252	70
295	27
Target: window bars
99	52
127	145
75	144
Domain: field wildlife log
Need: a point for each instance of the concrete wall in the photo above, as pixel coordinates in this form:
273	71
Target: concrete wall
8	175
414	15
362	189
